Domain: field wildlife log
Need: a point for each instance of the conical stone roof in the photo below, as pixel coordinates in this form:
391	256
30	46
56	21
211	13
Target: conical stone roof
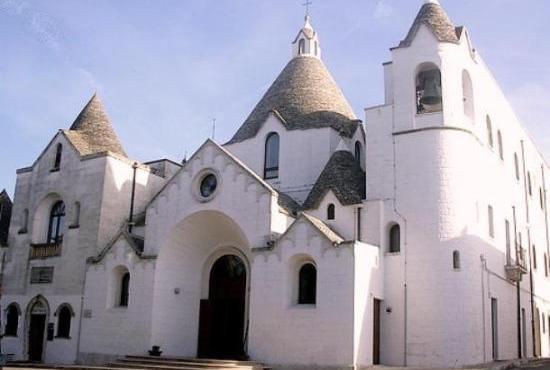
305	96
433	16
92	131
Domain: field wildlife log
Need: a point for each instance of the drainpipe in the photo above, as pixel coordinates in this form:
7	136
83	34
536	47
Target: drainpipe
483	268
533	333
518	291
531	284
132	199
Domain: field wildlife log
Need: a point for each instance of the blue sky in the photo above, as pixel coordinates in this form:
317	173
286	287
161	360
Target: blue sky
166	68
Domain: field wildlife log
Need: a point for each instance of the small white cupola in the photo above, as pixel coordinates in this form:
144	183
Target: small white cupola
306	42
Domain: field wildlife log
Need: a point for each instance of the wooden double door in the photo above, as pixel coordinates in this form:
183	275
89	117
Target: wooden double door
222	315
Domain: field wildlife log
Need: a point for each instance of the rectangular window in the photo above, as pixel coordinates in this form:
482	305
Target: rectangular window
534	257
491	223
41	275
545	265
508	243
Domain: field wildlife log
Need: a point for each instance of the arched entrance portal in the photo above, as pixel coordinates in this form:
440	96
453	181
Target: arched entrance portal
222	315
37	319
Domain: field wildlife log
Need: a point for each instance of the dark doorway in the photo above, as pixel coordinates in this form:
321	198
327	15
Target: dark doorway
222	315
376	333
494	327
36	336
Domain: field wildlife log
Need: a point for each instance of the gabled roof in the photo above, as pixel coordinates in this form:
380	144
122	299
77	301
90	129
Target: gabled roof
305	96
135	242
344	176
319	225
433	16
284	201
92	131
307	30
324	229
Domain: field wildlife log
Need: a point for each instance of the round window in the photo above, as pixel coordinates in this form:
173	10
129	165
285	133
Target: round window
208	185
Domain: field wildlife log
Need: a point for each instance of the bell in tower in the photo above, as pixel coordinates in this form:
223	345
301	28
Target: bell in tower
428	91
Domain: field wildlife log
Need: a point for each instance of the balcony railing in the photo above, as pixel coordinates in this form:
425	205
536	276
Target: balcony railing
515	269
46	250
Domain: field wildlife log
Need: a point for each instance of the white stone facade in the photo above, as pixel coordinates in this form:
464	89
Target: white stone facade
445	297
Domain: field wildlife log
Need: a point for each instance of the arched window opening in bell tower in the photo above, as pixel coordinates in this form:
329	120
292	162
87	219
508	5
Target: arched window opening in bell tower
302	47
429	97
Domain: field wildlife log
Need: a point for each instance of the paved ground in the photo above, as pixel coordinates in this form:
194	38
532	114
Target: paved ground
536	365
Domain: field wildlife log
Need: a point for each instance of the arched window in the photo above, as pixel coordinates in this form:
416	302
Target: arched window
12	321
358	152
307	284
456	260
468	97
545	265
516	165
331	212
301	46
64	316
428	89
57	223
271	161
500	147
58	152
541	198
395	239
124	290
534	258
529	185
316	49
489	132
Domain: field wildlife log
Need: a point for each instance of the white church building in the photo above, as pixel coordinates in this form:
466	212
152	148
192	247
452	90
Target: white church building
311	239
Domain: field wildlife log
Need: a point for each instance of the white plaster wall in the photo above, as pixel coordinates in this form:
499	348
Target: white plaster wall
443	183
186	232
287	334
344	223
112	329
302	155
368	285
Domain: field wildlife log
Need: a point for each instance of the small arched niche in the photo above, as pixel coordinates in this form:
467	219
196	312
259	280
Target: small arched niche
429	92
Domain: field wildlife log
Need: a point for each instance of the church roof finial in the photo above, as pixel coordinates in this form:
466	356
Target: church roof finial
307	4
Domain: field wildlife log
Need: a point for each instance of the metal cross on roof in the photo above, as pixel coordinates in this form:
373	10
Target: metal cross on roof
307	4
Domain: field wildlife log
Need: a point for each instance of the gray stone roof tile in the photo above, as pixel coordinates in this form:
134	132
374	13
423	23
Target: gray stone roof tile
92	131
344	176
305	96
433	16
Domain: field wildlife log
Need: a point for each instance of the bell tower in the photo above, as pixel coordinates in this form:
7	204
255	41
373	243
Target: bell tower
306	42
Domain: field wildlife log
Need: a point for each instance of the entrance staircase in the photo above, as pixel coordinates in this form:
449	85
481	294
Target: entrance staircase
150	363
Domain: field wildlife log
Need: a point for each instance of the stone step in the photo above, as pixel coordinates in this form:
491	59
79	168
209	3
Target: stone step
177	366
195	360
31	365
194	363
